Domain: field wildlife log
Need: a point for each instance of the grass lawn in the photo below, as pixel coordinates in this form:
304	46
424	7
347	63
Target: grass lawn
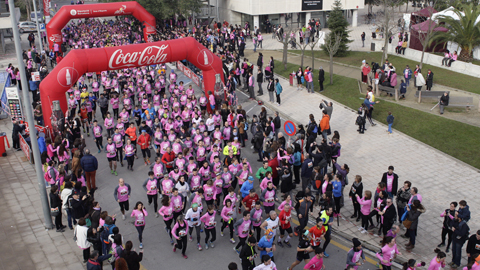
451	137
441	76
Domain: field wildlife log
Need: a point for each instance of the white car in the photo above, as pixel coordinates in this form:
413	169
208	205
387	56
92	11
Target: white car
26	27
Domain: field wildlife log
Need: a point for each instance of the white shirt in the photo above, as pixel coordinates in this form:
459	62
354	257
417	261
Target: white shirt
210	124
266	267
64	195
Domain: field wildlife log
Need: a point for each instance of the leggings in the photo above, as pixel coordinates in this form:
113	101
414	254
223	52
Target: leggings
86	254
146	153
140	232
258	230
168	225
385	267
120	154
241	242
130	160
337	204
446	231
230	226
328	237
155	201
209	232
364	220
182	244
197	229
373	213
99	142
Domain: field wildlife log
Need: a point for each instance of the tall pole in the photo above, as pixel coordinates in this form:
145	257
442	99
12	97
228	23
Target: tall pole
28	111
38	27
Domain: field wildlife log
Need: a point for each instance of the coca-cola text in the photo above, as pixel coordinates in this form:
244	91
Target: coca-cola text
151	55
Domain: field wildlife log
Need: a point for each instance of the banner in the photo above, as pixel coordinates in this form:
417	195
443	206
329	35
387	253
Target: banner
25	147
5	79
190	74
312	5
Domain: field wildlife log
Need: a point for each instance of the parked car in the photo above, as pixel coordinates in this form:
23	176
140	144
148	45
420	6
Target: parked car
27	27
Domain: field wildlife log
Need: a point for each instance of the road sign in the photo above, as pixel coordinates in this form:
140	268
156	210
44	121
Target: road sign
290	128
42	26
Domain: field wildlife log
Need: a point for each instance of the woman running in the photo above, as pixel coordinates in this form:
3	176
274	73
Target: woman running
139	213
209	223
179	232
438	262
387	253
227	219
167	213
152	186
130	150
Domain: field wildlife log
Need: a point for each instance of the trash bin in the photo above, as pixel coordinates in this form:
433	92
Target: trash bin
3	137
372	47
292	75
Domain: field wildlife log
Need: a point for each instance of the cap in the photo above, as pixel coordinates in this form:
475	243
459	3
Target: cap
143	130
269	232
363	61
194	205
250	178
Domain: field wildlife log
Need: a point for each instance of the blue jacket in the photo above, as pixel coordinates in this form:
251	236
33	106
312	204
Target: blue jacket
246	187
390	119
89	163
464	213
307	168
337	189
42	146
33	85
403	88
368	103
409	74
278	88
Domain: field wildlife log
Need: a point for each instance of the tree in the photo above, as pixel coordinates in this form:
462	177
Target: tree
424	36
338	24
312	46
285	40
388	23
333	41
465	32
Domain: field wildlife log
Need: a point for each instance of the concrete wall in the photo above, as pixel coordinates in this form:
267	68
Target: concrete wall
264	7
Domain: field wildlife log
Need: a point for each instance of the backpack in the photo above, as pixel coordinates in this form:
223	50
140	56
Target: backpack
69	201
246	126
360	121
315	129
116	253
48	177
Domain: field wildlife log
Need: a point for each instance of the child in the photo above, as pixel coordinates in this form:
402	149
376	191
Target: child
390	119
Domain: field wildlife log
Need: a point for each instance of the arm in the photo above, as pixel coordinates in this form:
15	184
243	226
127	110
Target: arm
115	192
350	257
145	185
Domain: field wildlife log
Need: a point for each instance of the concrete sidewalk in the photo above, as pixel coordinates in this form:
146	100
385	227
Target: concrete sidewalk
471	117
370	154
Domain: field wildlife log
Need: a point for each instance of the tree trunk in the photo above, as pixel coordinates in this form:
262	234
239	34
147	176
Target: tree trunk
406	9
465	55
303	53
423	53
331	68
285	55
313	60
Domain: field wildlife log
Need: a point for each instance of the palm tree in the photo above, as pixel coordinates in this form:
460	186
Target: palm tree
465	32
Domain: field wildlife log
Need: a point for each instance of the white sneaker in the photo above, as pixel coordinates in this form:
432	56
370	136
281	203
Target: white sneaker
157	215
123	217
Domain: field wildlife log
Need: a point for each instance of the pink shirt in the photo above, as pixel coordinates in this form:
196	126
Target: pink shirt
435	265
314	263
139	217
387	254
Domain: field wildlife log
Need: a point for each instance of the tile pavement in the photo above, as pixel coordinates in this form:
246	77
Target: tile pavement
435	174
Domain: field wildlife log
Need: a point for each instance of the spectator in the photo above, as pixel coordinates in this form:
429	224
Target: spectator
414	212
473	246
429	80
452	59
444	101
325	124
463	211
89	164
403	197
460	235
133	258
307	170
95	261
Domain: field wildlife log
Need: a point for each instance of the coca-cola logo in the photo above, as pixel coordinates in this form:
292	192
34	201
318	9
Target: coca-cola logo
55	38
121	10
46	7
151	55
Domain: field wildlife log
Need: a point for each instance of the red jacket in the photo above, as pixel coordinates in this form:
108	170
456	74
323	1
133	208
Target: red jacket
273	163
144	141
284	217
168	157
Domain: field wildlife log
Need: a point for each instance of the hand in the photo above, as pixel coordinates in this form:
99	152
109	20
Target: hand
300	216
114	216
333	160
385	261
358	263
118	200
468	254
274	248
84	197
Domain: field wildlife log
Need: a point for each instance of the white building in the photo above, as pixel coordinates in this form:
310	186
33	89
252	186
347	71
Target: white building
300	11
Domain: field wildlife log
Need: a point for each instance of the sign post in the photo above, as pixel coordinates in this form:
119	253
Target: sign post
290	130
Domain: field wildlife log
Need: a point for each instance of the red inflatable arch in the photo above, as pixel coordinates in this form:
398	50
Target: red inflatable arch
79	62
66	13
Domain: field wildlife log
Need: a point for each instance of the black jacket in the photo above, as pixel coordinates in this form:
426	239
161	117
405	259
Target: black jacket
277	122
270	86
321	75
473	245
55	201
246	252
394	184
78	208
390	214
260	61
133	259
260	77
460	235
444	100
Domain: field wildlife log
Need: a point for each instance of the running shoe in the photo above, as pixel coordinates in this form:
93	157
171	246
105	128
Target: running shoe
88	134
99	151
185	256
280	244
111	171
157	215
232	240
236	250
190	238
201	230
123	217
141	246
115	172
211	245
288	244
199	247
326	254
165	227
174	248
221	234
441	245
206	246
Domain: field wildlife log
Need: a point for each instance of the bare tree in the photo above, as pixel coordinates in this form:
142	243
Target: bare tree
312	46
425	35
331	45
285	40
388	23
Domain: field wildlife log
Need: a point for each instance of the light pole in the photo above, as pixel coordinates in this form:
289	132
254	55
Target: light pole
28	111
38	27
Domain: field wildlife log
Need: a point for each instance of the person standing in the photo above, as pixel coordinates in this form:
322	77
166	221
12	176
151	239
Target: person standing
391	181
271	89
80	233
16	131
307	171
251	85
460	235
139	213
278	91
325	124
414	212
309	78
429	80
365	70
321	78
419	81
403	196
89	165
132	258
444	101
389	214
407	74
448	219
473	246
56	208
122	195
260	81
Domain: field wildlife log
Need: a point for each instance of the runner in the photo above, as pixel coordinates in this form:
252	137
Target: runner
248	254
166	211
179	232
118	138
268	197
303	249
122	195
317	261
271	223
243	227
317	232
139	213
266	245
193	218
227	219
355	256
111	150
144	142
130	151
152	186
209	222
285	226
179	202
387	253
256	217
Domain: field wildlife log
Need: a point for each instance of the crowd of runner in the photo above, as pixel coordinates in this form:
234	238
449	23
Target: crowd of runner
192	163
